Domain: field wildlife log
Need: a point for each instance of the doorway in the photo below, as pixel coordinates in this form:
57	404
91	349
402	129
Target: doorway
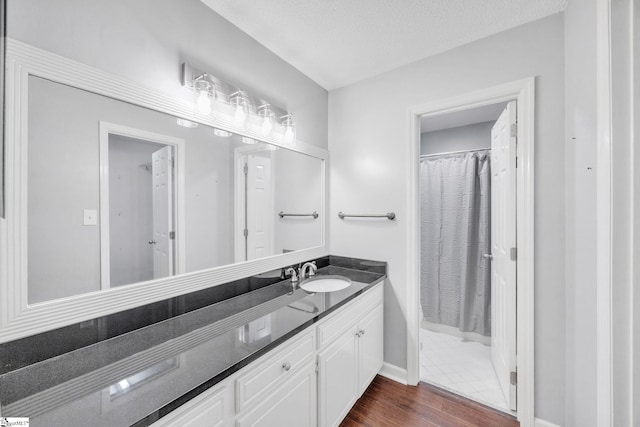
522	92
467	216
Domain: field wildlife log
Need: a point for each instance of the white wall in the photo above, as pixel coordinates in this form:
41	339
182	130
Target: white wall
147	40
580	180
469	137
368	140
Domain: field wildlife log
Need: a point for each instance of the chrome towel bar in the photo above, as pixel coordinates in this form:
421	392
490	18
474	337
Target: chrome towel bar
389	215
281	214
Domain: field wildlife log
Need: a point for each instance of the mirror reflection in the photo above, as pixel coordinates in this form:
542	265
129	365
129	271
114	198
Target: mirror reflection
119	194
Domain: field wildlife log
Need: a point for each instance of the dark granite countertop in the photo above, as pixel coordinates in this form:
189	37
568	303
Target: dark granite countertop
137	377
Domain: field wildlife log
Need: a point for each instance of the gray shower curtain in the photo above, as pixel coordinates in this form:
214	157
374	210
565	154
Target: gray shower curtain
455	227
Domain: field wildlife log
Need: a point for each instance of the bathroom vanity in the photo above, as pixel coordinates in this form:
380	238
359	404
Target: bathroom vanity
272	356
160	296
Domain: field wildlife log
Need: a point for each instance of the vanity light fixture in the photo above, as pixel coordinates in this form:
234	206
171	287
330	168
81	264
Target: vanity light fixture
233	109
289	129
266	115
204	90
239	102
222	133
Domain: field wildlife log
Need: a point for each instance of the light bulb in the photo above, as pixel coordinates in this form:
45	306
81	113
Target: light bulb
239	117
204	102
267	126
288	136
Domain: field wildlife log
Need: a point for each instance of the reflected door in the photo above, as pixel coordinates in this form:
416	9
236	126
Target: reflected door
162	171
259	202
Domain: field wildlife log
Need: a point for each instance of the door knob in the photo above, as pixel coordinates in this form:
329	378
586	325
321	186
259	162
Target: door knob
152	242
487	256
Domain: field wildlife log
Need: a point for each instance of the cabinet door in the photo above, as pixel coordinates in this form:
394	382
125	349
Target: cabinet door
293	404
370	341
338	379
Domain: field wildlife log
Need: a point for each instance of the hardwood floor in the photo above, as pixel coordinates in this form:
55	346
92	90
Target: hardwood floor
388	403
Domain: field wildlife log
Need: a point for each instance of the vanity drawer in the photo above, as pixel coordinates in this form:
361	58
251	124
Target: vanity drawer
213	408
267	374
349	315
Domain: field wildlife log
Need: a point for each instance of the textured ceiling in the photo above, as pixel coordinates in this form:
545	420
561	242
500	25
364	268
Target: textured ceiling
338	42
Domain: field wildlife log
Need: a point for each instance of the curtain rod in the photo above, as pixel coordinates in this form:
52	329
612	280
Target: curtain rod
455	152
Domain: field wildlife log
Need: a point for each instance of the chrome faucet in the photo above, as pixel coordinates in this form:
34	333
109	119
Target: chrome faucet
311	267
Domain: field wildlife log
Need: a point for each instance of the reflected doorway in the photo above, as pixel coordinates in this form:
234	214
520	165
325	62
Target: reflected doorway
138	205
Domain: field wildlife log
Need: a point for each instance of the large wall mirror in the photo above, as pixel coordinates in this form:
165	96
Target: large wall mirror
115	196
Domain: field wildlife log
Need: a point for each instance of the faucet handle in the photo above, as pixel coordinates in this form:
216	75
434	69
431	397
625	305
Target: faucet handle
292	272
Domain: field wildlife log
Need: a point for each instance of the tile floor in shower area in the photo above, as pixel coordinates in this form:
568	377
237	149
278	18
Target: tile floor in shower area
463	367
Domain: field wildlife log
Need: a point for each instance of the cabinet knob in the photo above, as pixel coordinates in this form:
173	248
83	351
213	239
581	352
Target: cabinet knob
286	366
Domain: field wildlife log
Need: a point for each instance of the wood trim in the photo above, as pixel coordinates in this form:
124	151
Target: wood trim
524	92
394	373
17	318
542	423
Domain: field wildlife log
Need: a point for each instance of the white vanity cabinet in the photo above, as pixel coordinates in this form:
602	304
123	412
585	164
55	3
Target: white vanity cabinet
351	354
311	380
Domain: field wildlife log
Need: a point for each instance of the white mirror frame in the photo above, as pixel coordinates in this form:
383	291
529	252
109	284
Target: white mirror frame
18	319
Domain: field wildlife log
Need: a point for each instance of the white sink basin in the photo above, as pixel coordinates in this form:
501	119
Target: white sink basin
325	283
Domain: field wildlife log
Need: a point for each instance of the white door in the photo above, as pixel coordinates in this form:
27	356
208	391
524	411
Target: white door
162	182
503	244
259	212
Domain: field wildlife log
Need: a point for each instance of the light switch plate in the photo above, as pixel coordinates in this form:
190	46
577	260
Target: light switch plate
90	217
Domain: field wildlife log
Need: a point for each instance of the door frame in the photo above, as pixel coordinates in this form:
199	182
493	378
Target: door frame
523	92
178	145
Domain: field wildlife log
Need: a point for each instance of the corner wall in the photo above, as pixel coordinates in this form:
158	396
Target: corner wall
369	144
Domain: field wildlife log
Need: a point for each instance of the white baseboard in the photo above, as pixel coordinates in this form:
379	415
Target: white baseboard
394	373
543	423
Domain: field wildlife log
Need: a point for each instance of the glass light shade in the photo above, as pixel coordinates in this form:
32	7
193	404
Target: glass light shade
186	123
203	91
267	115
222	133
204	102
238	101
289	125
